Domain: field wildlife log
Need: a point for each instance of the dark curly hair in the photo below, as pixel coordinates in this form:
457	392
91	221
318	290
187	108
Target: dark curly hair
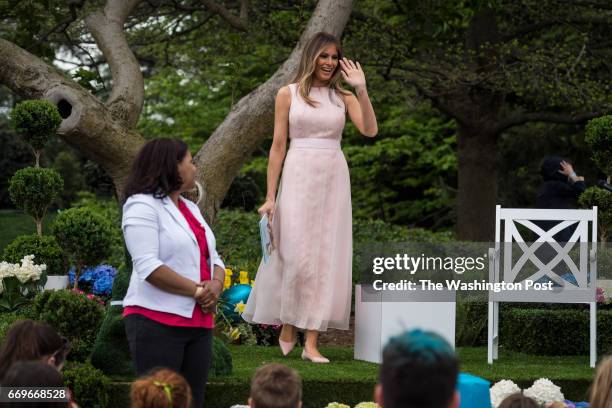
155	170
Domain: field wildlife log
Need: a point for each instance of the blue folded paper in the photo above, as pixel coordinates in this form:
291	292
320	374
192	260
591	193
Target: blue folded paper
266	238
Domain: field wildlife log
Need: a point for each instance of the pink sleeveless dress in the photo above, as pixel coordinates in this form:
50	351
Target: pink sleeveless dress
307	280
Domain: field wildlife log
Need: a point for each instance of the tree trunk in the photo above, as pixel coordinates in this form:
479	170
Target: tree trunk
39	227
477	192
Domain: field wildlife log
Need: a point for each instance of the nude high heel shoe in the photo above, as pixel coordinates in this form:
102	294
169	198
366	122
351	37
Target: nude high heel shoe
320	360
287	346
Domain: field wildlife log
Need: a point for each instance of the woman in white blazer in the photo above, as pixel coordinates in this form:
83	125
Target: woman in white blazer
177	275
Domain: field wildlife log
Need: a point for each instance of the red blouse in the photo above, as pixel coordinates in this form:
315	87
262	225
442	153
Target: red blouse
198	318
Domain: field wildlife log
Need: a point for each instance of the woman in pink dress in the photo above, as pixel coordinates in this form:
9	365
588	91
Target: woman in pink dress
307	283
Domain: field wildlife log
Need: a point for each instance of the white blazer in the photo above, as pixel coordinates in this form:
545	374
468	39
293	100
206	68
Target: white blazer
156	233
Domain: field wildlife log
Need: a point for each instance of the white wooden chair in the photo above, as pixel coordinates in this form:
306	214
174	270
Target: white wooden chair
505	270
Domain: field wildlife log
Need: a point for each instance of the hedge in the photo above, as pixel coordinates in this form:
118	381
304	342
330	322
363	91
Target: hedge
554	331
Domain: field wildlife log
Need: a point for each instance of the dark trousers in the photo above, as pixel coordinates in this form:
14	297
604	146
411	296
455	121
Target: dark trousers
186	350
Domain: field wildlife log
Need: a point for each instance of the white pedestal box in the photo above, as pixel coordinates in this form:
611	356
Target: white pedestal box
55	282
383	316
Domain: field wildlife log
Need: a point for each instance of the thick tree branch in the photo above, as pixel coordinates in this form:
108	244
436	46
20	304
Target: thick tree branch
106	25
238	22
87	124
569	118
251	119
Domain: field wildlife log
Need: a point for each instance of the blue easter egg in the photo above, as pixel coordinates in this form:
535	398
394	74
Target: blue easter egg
233	296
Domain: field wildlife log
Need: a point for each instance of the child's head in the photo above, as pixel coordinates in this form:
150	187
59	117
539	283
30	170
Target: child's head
27	340
518	400
419	369
34	374
601	390
162	388
276	386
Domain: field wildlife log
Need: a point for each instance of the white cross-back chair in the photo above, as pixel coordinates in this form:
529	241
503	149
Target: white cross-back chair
508	237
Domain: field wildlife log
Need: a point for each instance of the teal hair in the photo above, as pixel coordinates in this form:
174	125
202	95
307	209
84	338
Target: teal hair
427	347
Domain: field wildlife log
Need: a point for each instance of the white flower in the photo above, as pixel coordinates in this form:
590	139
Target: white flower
27	271
7	270
500	390
544	392
337	405
367	405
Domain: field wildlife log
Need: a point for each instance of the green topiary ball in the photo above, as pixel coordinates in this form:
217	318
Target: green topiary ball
73	315
598	135
91	388
595	196
33	189
44	248
6	320
84	235
111	352
36	121
222	359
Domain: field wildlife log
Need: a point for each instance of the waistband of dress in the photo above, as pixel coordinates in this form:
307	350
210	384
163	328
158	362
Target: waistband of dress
314	143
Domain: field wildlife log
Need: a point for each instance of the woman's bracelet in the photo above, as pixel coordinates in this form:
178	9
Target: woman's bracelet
198	291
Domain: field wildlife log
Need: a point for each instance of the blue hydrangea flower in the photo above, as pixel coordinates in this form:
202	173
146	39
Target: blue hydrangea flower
100	278
103	285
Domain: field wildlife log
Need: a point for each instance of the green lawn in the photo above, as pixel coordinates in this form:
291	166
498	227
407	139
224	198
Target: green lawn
350	381
14	223
511	365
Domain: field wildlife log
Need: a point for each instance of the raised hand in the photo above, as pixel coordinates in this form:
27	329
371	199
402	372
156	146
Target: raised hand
566	168
352	73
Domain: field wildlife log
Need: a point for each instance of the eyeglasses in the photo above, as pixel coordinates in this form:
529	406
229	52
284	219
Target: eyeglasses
60	355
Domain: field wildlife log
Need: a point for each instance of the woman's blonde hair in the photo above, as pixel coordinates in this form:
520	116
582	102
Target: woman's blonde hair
161	388
308	62
601	390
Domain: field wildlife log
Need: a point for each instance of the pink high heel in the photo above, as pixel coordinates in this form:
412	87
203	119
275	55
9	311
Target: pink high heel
286	346
320	360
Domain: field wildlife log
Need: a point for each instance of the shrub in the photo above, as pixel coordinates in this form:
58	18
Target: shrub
471	324
222	359
16	154
109	210
238	243
553	331
90	387
122	281
69	167
111	353
33	189
36	121
44	248
603	200
598	135
84	235
72	314
6	320
243	194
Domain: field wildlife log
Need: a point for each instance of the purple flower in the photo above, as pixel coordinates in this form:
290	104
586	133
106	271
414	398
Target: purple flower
600	295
